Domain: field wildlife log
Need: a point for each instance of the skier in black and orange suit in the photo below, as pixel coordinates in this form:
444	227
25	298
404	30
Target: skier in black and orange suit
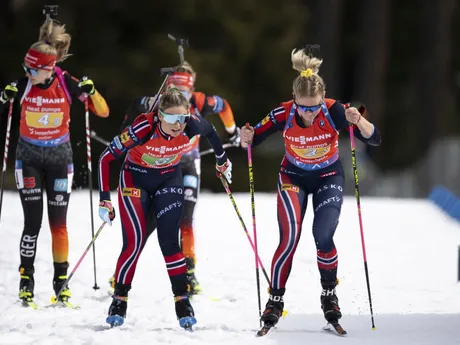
44	152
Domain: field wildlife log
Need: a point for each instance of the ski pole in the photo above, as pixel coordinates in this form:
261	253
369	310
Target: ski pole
94	135
5	154
355	173
56	298
253	208
229	193
90	180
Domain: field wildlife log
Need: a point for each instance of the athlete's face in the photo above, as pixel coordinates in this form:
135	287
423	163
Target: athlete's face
309	107
173	120
186	91
37	76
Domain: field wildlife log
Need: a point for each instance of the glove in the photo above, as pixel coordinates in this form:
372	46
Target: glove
9	92
226	170
234	138
87	86
106	211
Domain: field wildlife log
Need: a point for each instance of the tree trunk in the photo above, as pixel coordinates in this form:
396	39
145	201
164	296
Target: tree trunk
436	98
326	32
371	66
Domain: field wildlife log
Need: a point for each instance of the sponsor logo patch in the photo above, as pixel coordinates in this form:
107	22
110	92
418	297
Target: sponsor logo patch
132	192
287	186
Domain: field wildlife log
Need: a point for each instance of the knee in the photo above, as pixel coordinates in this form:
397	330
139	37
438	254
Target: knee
59	230
186	230
187	218
324	226
324	242
169	246
32	227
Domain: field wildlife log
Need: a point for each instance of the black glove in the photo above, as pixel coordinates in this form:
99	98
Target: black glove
9	92
87	86
234	138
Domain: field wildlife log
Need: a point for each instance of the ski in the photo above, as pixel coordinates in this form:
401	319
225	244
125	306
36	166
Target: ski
266	328
63	304
188	329
69	305
335	328
29	303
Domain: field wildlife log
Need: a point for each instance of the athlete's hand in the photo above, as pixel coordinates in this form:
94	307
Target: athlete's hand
225	170
106	211
246	135
352	115
87	86
9	92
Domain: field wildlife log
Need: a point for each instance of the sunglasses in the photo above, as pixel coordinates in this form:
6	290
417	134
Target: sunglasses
173	118
305	108
187	94
32	71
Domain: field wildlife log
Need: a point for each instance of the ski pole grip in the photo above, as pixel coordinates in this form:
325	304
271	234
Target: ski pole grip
167	70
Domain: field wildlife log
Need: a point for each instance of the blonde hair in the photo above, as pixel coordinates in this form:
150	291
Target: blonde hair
53	40
186	68
173	98
308	83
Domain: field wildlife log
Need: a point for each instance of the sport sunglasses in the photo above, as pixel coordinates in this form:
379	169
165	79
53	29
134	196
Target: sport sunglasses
32	71
311	109
173	118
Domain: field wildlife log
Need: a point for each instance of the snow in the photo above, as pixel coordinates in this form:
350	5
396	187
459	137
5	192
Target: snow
412	260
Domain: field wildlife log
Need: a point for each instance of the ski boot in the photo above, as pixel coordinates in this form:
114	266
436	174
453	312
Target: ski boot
195	287
184	312
60	276
117	310
26	285
330	302
273	311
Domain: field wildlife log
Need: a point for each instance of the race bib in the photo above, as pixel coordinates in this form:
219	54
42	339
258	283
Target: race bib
44	120
157	161
312	152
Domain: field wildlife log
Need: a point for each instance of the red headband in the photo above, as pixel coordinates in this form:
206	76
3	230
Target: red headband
35	59
181	79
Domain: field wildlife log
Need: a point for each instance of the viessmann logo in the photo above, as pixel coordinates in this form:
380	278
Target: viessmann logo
303	139
40	100
164	149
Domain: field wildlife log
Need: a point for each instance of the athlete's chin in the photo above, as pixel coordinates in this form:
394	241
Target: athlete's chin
176	132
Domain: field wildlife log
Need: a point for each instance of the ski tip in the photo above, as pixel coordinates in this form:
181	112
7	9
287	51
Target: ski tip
115	320
30	304
335	328
53	299
265	330
187	323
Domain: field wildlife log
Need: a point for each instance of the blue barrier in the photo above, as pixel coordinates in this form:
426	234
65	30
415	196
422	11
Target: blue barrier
446	200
